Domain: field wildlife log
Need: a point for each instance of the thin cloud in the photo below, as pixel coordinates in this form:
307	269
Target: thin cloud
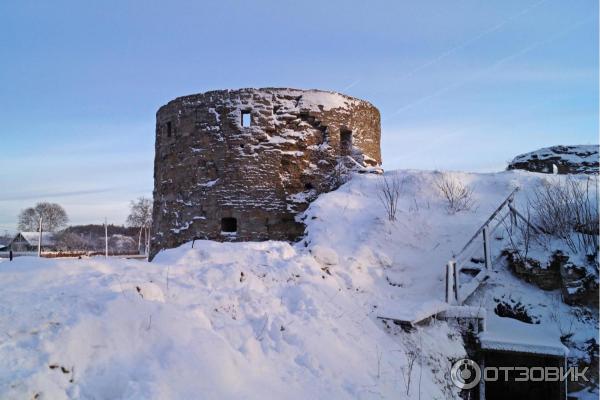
48	195
356	82
493	67
472	40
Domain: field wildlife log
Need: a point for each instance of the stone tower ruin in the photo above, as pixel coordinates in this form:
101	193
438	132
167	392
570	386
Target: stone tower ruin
240	165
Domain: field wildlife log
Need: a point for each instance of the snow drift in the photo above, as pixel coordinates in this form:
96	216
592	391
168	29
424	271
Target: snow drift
253	320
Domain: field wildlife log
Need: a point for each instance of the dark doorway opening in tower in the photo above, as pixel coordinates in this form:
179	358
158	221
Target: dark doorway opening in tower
228	224
246	119
345	141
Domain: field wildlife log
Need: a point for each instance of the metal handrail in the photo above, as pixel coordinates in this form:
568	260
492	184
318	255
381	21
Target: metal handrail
487	222
453	268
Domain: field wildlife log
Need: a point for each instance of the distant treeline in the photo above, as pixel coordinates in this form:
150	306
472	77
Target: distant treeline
90	237
98	230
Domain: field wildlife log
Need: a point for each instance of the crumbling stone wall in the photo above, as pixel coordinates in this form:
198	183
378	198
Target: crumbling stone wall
215	178
581	159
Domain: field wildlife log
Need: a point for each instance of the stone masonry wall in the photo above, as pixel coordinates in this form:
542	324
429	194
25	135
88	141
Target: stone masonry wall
579	159
215	178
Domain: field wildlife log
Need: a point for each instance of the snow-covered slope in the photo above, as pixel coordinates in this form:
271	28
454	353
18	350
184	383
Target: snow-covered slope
253	320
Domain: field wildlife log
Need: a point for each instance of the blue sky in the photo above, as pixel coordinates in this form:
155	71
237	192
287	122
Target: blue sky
462	84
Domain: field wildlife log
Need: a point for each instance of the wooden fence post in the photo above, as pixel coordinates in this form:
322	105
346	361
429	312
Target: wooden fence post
451	283
40	239
482	380
513	213
455	273
486	249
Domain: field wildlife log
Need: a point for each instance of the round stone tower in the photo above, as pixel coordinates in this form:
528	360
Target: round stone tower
241	164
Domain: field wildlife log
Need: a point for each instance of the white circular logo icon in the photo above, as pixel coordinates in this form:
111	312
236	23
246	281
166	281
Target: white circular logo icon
465	374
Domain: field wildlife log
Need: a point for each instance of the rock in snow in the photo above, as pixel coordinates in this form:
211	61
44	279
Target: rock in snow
324	255
582	159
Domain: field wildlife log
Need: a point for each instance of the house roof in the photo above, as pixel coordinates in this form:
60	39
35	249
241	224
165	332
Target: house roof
32	238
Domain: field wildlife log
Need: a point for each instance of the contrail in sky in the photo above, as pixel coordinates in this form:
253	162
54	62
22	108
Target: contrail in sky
356	82
464	44
47	195
472	39
494	66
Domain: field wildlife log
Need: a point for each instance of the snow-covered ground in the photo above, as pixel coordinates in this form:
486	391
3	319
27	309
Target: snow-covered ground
260	320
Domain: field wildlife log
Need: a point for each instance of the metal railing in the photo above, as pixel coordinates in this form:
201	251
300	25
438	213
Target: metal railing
456	291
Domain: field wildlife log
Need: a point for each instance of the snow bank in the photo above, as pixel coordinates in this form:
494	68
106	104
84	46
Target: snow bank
252	320
324	255
221	320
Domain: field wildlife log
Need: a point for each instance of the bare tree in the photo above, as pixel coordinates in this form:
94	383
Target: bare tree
68	241
568	209
388	192
140	216
28	220
564	323
458	194
521	234
411	357
53	217
339	175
